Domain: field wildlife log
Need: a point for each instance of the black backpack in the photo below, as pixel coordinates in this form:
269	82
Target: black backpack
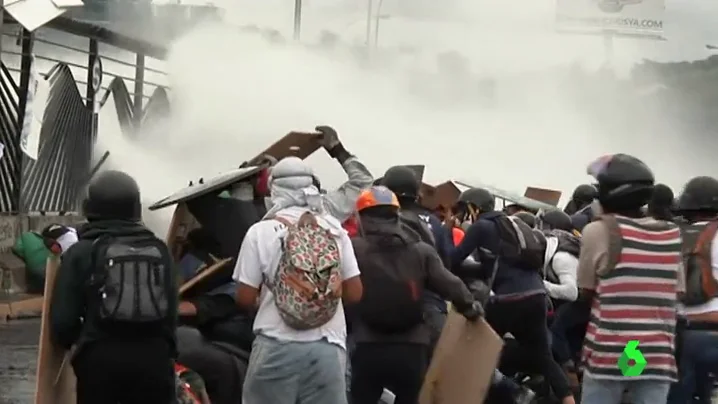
133	280
520	246
391	301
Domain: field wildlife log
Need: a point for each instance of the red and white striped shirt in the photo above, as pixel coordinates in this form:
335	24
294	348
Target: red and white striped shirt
636	300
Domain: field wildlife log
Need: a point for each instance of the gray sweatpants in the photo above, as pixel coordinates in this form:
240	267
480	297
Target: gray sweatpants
284	372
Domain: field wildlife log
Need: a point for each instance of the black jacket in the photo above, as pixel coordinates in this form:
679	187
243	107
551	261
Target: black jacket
413	256
483	235
71	322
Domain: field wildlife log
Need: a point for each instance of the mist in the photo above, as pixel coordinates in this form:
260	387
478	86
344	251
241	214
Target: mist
234	93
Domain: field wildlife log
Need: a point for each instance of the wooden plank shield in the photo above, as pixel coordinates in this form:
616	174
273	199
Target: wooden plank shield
463	364
55	379
298	144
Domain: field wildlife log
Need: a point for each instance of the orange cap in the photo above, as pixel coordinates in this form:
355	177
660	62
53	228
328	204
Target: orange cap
376	196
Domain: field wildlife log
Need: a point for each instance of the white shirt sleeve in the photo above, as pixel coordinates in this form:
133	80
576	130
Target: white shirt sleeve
248	269
350	267
565	266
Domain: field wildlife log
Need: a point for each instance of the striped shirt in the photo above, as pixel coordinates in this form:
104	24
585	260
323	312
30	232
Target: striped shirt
636	300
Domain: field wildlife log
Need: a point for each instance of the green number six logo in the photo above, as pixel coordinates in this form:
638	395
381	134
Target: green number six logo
632	353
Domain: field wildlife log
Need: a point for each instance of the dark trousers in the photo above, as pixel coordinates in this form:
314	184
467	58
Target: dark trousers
435	318
525	319
569	329
394	366
125	372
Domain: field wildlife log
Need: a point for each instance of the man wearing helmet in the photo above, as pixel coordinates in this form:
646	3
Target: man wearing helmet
519	305
698	204
580	207
392	338
630	269
403	182
115	299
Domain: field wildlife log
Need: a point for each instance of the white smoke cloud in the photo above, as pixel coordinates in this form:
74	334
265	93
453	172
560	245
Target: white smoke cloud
235	93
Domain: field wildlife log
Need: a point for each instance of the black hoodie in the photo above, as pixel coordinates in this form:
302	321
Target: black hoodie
70	322
413	257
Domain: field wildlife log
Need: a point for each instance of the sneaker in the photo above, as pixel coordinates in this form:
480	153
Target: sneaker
524	396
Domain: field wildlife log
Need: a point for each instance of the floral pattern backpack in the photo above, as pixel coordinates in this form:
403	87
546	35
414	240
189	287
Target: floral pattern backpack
307	286
189	386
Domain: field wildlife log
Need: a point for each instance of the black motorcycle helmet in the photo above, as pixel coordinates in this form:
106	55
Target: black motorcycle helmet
625	183
479	198
699	195
402	181
527	217
584	194
113	195
554	219
660	206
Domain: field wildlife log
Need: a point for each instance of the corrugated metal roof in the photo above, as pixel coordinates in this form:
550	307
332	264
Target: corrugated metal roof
9	135
53	182
505	195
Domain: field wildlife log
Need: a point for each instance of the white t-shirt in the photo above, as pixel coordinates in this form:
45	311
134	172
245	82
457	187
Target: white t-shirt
259	258
711	305
564	266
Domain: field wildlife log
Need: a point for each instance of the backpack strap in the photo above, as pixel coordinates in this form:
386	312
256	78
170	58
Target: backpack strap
702	250
615	240
307	219
282	220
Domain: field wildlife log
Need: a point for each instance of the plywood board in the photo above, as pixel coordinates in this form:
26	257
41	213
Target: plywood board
463	363
197	279
545	195
299	144
55	379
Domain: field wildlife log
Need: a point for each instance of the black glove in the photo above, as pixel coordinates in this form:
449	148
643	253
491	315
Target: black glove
329	138
473	312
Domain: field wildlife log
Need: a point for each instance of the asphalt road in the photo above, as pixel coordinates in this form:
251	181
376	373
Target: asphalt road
18	355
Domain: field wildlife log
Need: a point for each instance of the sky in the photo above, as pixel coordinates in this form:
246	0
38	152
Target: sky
233	94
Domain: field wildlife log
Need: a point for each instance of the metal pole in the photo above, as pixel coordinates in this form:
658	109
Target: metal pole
91	55
25	66
376	23
139	90
369	7
2	19
297	19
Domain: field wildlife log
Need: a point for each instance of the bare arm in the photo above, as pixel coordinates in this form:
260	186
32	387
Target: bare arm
352	288
248	272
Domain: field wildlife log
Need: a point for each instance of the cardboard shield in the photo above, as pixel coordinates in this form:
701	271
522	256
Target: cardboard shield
55	379
545	195
463	363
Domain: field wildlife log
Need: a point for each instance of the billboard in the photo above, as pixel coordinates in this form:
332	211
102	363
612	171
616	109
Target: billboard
621	17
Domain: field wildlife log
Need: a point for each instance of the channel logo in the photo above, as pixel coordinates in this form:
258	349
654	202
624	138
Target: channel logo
631	363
